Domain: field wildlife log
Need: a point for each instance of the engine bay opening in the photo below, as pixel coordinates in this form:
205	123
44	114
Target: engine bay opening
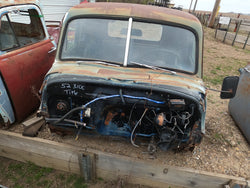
168	120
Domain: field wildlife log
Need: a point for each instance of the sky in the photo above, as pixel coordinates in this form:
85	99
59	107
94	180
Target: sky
237	6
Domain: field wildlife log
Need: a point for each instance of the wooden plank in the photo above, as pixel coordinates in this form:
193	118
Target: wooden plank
32	121
40	160
39	151
159	173
38	146
108	166
134	179
32	126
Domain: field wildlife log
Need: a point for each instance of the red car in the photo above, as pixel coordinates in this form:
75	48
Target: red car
26	54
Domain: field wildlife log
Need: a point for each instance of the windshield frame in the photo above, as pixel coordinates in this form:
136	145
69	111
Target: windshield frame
135	19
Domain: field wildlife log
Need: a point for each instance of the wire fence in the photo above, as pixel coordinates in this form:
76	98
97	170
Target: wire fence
230	30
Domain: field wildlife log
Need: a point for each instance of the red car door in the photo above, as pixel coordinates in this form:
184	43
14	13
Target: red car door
27	55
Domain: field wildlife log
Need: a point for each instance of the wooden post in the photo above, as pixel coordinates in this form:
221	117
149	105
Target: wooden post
236	32
215	10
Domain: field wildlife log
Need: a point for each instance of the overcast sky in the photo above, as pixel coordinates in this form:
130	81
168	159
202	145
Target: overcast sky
237	6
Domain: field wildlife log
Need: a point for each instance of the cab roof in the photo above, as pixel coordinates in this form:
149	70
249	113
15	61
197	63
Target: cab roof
138	11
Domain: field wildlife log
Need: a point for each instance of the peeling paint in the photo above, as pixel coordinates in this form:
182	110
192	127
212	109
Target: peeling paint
126	73
19	75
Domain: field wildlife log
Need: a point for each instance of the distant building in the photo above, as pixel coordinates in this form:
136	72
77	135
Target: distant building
163	3
171	5
53	10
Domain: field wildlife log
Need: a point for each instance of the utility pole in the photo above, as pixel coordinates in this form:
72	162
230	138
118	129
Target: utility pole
215	10
190	6
195	5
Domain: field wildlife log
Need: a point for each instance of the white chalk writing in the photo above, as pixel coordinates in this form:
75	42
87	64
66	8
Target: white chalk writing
70	92
65	85
72	86
78	86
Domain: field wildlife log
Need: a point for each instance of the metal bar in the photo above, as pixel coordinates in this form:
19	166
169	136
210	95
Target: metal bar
246	40
130	21
87	166
216	31
236	32
227	31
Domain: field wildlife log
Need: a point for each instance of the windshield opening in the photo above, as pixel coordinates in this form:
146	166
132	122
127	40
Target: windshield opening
151	44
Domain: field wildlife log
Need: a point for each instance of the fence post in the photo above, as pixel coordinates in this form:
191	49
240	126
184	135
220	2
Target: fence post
216	21
207	18
203	18
236	32
227	30
216	29
246	40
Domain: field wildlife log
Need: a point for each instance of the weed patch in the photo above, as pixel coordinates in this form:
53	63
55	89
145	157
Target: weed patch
21	175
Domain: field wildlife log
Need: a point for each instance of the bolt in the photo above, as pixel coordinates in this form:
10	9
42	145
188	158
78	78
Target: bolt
165	170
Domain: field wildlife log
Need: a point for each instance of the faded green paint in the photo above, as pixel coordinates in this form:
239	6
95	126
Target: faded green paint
145	12
189	87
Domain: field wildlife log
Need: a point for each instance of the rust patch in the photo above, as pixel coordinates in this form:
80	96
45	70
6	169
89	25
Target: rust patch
60	131
144	75
4	125
35	92
244	86
113	72
42	86
195	138
126	9
160	119
108	72
109	117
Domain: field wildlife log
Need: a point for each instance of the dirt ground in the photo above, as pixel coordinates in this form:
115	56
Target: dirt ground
223	150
